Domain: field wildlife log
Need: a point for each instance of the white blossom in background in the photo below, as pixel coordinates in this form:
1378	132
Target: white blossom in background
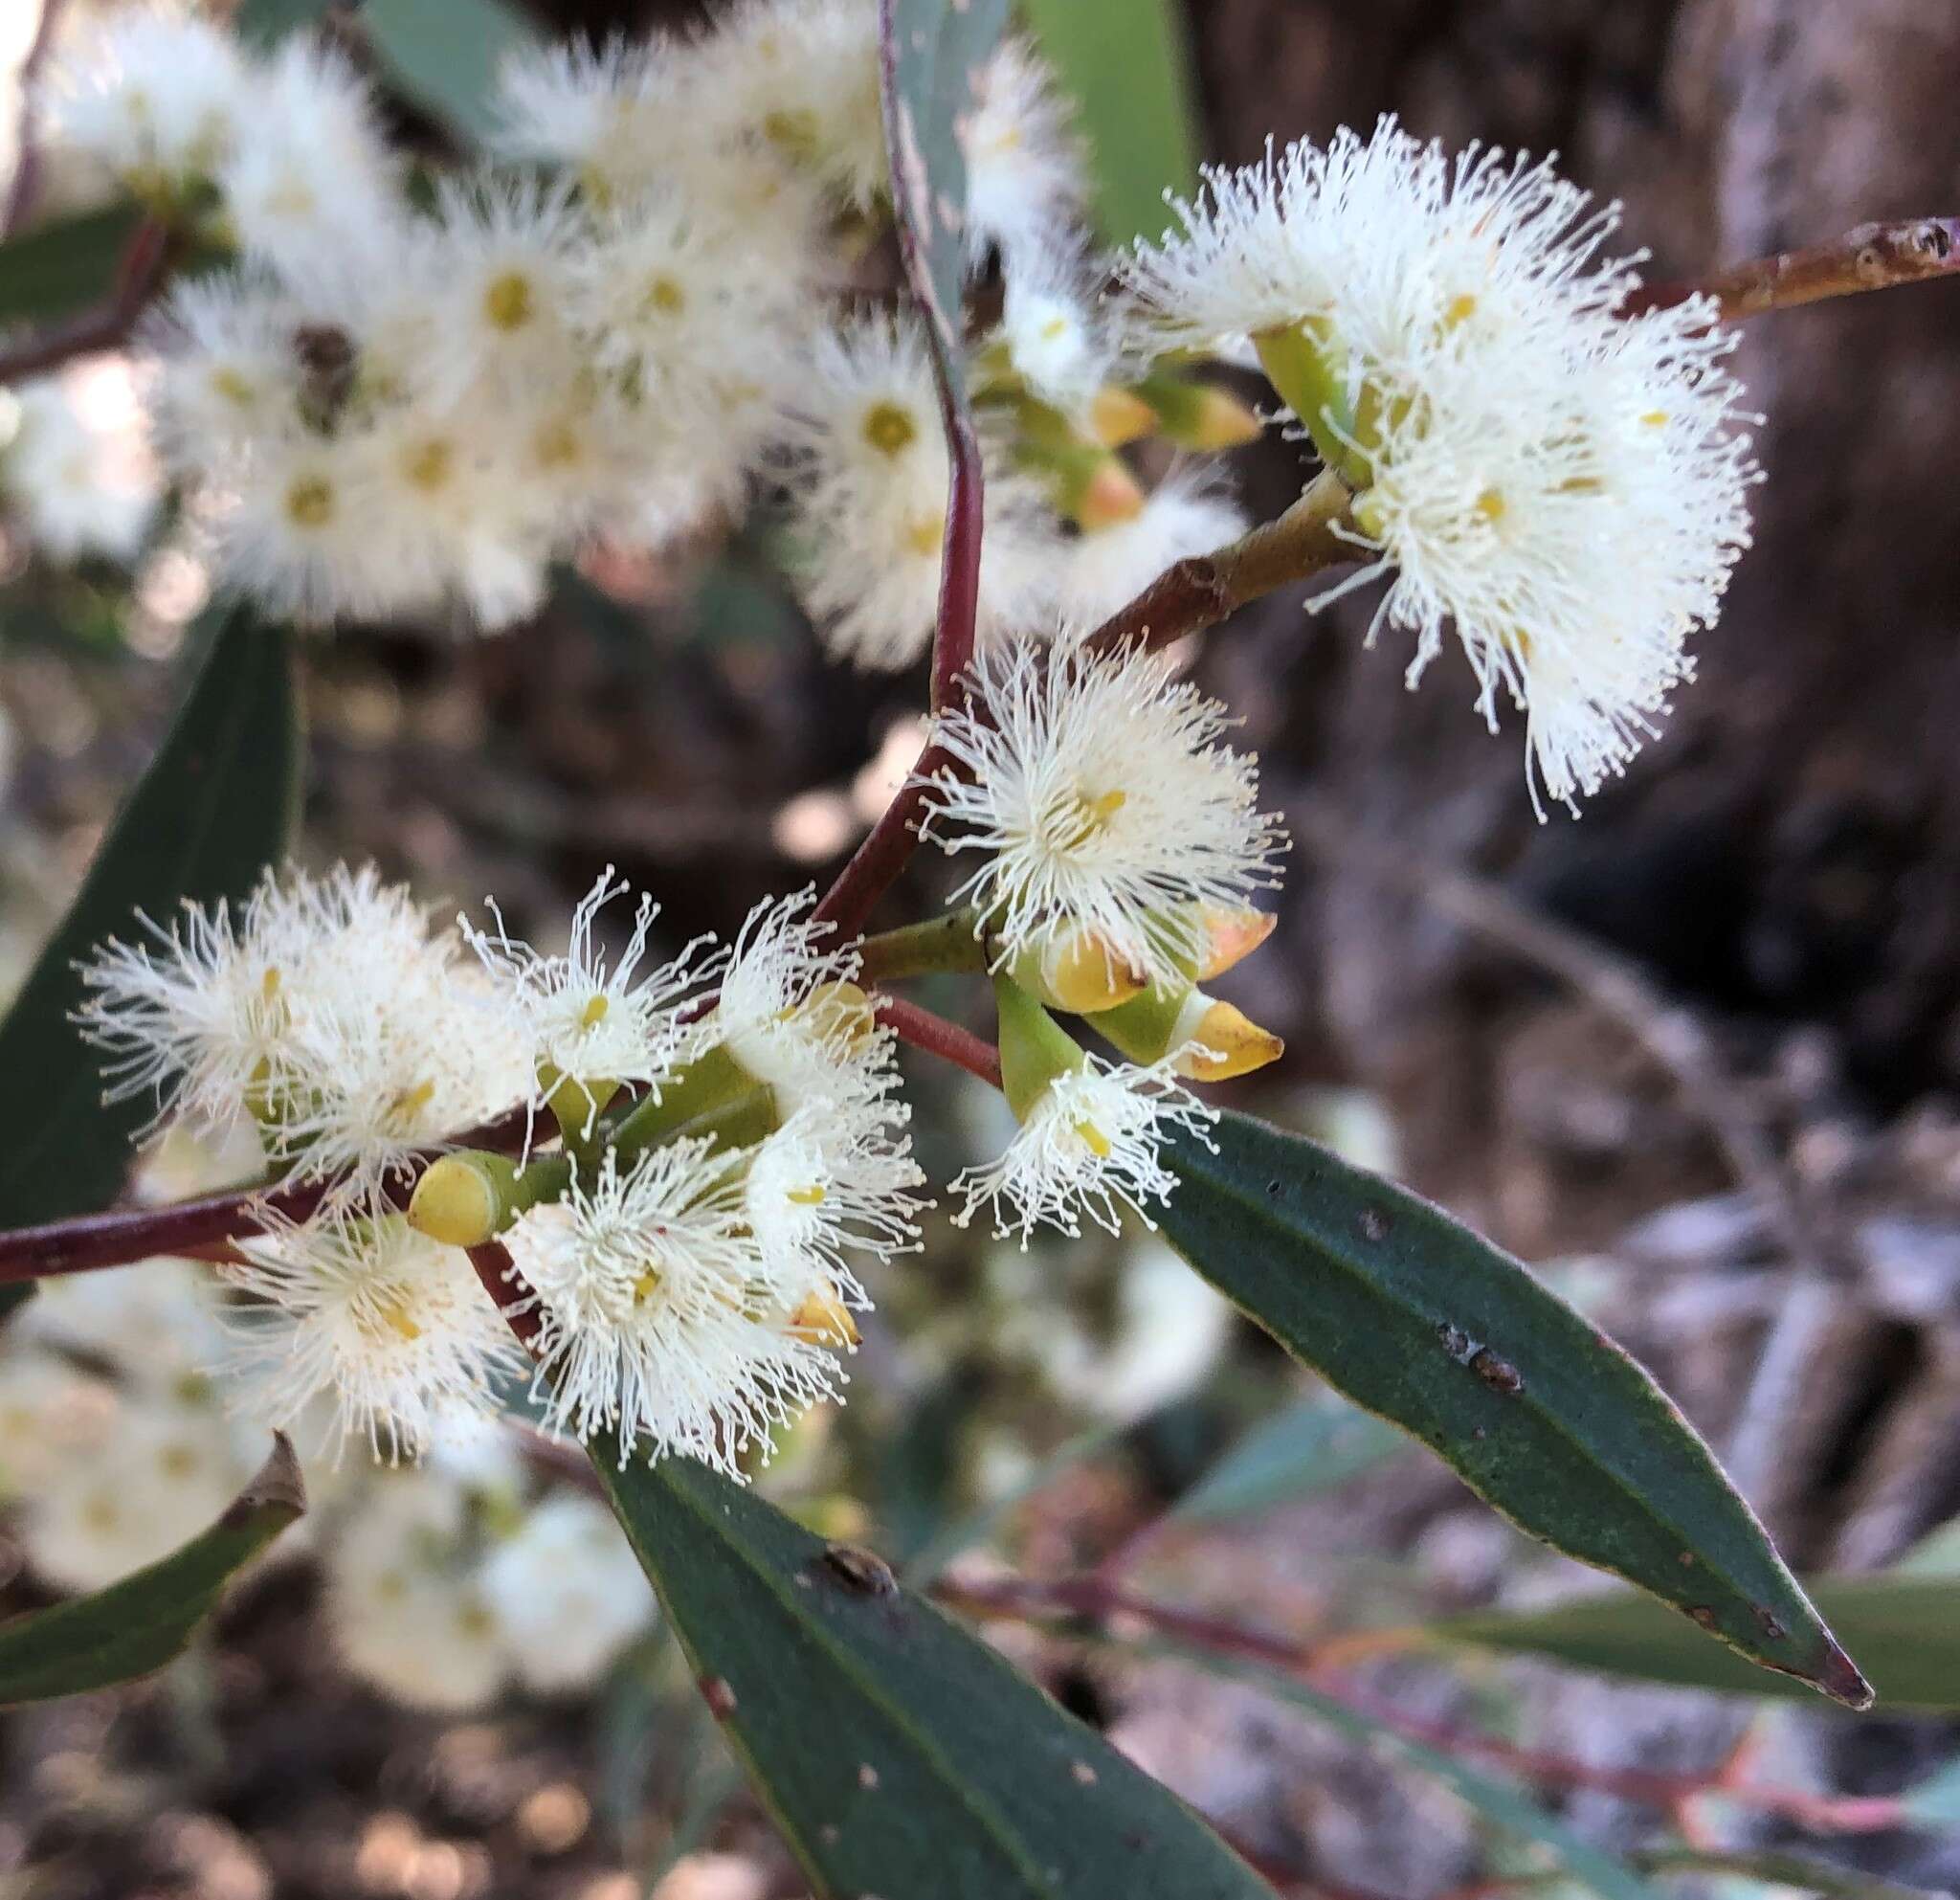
1567	486
73	487
568	1593
393	1330
1101	794
1092	1144
155	93
660	1320
1025	169
1055	341
1189	513
868	482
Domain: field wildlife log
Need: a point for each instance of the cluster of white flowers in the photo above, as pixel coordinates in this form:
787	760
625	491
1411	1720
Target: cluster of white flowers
644	305
444	1583
1567	485
688	1294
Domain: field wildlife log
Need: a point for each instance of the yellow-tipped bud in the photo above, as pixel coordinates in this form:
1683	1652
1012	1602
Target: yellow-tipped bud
1110	495
1221	421
1228	937
1118	416
1226	1041
824	1320
1076	970
456	1202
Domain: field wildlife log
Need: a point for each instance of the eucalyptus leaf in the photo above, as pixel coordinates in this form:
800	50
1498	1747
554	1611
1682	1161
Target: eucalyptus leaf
216	807
933	53
899	1753
1310	1446
1904	1628
445	55
144	1622
1421	1320
69	265
1127	66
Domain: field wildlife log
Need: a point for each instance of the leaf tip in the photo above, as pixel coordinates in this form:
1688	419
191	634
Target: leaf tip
277	1491
1842	1679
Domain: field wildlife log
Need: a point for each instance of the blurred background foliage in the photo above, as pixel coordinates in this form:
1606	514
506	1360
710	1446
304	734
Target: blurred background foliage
1696	1054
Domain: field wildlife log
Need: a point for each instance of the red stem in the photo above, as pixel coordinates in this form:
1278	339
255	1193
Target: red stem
937	1036
190	1228
1098	1598
505	1284
140	273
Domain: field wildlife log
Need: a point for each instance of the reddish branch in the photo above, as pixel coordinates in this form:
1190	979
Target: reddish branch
190	1229
937	1036
1872	257
1313	535
145	264
1103	1602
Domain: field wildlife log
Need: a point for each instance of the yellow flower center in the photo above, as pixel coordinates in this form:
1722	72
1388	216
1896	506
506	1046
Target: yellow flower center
310	502
508	301
667	296
812	1195
889	427
428	465
1093	1139
594	1011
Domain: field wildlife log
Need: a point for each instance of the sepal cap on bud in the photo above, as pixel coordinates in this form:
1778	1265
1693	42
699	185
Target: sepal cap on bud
467	1198
1207	1039
1228	936
1118	417
1076	970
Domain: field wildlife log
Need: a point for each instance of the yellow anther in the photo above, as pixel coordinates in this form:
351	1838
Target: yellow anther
1086	815
310	502
824	1320
390	1315
594	1011
1460	310
646	1285
410	1103
667	296
1655	418
812	1195
428	465
891	428
1094	1140
1054	326
1490	505
924	533
269	985
233	387
509	303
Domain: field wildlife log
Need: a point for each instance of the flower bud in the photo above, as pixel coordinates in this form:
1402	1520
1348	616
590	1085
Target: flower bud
1216	1041
1199	415
1120	417
1228	936
1076	970
466	1199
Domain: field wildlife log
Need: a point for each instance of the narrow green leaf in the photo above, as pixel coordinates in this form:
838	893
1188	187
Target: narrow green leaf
1418	1319
58	269
1905	1628
1126	65
979	1525
1780	1870
933	53
1501	1803
1310	1446
445	55
900	1754
140	1624
264	22
216	806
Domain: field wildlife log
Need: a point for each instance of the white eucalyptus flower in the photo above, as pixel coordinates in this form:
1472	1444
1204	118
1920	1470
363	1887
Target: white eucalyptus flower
662	1321
1091	1144
1101	795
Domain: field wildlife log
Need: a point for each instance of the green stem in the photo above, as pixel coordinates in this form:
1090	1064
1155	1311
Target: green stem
948	943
